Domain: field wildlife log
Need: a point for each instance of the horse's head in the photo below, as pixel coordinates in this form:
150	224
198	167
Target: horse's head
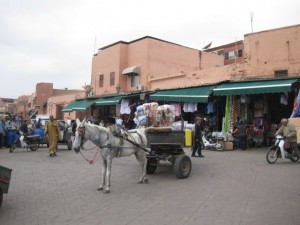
80	135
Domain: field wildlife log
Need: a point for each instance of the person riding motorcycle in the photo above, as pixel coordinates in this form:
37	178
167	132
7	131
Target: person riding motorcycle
289	132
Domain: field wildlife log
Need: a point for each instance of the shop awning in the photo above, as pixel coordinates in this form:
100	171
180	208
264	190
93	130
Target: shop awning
254	87
193	94
68	108
78	105
133	69
108	100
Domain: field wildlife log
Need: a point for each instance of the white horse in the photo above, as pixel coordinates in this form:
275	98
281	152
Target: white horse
112	146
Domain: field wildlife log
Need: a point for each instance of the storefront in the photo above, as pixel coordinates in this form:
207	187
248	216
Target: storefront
121	106
192	102
261	103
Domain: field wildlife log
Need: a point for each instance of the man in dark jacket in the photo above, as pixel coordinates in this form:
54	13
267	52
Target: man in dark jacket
197	138
242	135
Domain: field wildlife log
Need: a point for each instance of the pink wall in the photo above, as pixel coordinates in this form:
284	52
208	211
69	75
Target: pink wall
62	101
156	58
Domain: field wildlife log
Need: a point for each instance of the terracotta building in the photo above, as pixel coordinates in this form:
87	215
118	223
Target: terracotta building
151	64
140	64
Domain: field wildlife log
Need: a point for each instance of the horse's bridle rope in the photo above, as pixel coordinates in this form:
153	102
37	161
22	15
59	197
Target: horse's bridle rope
81	132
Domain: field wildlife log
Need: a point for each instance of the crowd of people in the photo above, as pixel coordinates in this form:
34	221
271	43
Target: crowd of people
7	124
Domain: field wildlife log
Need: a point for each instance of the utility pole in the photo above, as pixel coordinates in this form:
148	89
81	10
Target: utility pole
251	19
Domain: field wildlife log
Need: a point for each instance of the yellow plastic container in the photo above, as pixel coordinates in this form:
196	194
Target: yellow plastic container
188	138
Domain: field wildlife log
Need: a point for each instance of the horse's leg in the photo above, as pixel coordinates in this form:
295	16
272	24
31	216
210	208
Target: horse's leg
141	157
108	173
104	169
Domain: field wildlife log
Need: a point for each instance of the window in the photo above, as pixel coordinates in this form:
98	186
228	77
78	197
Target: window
135	80
112	78
280	73
240	53
233	54
226	55
101	80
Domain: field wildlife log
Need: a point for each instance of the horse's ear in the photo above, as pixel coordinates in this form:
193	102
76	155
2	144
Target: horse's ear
77	121
83	122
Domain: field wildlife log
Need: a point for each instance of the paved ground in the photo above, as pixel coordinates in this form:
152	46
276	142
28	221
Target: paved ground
232	187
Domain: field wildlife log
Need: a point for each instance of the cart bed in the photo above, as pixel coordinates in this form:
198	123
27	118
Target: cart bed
5	174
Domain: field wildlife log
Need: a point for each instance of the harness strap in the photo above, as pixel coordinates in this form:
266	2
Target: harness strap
137	145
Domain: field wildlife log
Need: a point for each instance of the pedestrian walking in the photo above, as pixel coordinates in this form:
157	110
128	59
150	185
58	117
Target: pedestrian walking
197	138
52	129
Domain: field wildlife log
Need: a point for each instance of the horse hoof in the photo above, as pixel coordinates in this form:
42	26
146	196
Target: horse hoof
106	191
146	181
100	189
140	182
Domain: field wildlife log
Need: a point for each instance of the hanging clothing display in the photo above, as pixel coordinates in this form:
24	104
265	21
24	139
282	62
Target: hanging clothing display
177	109
125	108
211	108
227	111
190	107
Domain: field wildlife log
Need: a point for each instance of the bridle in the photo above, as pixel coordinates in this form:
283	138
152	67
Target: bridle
81	133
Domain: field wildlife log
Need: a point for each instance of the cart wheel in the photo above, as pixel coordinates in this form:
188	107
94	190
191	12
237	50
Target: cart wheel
69	144
151	166
1	196
182	166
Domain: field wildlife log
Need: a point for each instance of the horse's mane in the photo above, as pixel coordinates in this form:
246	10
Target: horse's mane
100	128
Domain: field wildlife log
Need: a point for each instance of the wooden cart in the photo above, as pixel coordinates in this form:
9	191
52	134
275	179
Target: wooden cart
5	174
167	145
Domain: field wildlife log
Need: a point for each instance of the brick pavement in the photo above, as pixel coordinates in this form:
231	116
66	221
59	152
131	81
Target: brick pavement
236	187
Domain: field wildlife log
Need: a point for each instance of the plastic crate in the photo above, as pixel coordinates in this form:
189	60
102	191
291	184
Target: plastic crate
5	174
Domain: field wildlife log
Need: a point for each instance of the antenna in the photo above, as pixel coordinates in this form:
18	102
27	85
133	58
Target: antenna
95	45
251	19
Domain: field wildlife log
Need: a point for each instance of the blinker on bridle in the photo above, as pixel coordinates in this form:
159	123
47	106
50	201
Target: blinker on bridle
81	133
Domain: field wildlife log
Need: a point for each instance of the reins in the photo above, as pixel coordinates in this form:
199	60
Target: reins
91	161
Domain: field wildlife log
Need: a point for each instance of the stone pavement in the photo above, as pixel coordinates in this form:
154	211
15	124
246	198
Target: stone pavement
230	187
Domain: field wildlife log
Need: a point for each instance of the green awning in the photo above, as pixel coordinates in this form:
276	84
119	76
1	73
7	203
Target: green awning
108	100
79	105
69	107
193	94
254	87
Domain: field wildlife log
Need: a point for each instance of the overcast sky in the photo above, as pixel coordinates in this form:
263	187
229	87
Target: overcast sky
54	40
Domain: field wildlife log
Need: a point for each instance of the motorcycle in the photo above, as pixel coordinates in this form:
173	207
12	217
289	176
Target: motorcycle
278	150
212	142
31	142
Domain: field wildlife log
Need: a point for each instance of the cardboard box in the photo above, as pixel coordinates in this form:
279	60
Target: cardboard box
228	145
298	134
295	121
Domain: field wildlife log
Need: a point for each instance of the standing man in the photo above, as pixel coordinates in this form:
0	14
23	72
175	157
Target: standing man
290	133
197	138
52	129
2	133
242	135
